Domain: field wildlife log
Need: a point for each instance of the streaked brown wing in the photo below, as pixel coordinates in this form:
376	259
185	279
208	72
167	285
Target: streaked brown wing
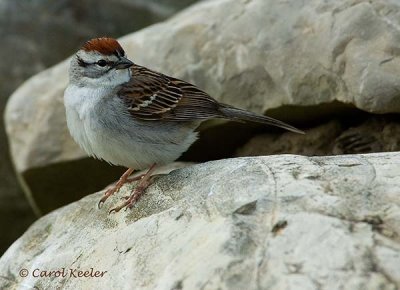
153	96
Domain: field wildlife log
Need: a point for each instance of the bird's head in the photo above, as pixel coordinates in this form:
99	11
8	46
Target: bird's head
100	62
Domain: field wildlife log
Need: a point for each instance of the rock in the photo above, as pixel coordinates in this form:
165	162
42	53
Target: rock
336	54
245	223
376	134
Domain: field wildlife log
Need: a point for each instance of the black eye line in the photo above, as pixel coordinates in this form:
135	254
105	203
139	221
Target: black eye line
111	64
107	63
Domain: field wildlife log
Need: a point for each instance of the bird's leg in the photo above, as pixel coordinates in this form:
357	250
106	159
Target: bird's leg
144	182
122	180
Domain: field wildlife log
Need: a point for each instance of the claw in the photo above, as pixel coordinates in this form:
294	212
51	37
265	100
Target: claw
115	188
112	211
145	181
117	208
107	194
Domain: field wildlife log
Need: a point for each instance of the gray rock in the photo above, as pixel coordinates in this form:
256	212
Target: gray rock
277	222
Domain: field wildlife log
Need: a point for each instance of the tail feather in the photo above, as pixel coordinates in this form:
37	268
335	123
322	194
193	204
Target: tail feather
242	115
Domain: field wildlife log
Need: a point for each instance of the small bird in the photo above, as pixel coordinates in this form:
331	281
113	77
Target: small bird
132	116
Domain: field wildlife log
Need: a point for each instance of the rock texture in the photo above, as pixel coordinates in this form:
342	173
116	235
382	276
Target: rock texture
277	222
322	53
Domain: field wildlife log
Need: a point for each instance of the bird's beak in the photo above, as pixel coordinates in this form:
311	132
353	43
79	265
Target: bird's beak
123	63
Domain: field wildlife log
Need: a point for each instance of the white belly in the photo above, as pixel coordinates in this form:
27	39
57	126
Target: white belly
105	130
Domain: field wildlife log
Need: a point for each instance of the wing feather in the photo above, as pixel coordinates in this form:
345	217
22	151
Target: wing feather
153	96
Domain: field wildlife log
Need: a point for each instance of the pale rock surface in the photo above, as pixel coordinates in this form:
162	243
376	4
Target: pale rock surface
277	222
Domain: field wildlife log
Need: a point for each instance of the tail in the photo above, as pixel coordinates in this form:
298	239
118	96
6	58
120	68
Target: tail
242	115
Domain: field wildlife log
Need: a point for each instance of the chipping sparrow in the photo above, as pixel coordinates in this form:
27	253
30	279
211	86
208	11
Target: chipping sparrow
129	115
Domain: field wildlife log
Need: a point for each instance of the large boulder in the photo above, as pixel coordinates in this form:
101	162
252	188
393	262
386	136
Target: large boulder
277	222
322	57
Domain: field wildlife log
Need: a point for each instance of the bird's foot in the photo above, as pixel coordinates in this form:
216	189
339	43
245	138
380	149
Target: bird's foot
145	181
123	179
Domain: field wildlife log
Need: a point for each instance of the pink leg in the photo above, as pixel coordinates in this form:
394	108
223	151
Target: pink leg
137	192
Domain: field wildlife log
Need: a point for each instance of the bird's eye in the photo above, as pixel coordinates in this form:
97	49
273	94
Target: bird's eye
102	62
